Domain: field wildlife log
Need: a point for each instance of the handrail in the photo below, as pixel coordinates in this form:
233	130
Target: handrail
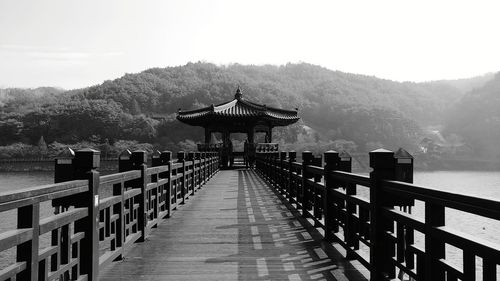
120	177
327	196
351	178
480	206
43	190
90	230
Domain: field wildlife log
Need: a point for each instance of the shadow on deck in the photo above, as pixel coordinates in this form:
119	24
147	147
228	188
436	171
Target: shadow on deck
236	228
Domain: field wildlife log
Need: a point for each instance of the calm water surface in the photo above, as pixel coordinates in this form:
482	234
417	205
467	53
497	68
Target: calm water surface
481	184
17	180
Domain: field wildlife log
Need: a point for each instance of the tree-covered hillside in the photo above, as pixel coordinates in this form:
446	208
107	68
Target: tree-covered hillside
337	109
476	118
293	85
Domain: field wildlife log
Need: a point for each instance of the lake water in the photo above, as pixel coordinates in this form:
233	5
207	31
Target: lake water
480	184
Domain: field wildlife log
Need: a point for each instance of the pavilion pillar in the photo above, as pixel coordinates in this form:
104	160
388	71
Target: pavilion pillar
208	135
251	135
226	138
227	148
269	135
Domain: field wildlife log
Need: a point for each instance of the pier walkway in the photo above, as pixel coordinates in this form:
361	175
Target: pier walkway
235	228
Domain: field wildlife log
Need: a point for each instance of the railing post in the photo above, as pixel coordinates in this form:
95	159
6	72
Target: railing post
199	174
292	157
307	158
204	167
317	196
345	165
156	192
64	170
268	168
166	157
331	164
282	176
216	164
124	163
382	251
434	217
138	161
155	162
213	163
274	163
210	164
405	234
192	178
29	217
272	171
181	155
86	162
119	209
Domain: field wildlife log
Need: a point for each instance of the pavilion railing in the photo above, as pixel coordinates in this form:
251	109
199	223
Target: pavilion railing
209	147
371	228
266	147
97	218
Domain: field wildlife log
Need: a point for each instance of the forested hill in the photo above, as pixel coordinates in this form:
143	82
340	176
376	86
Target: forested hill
337	108
306	86
20	96
476	118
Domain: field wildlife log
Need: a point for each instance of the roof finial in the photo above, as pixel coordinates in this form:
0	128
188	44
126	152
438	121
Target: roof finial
238	94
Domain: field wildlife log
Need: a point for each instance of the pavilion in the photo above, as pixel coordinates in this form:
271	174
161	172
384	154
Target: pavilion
237	116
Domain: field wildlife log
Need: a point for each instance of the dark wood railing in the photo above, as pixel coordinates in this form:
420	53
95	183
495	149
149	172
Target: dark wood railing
378	229
97	218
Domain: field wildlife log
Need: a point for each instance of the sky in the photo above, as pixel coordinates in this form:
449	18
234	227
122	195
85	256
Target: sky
73	44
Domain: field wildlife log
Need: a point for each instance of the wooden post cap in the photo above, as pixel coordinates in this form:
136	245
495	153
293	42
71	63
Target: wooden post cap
139	157
125	155
67	153
65	157
331	157
307	156
345	163
155	158
381	159
166	156
345	156
181	155
283	155
403	157
156	154
87	159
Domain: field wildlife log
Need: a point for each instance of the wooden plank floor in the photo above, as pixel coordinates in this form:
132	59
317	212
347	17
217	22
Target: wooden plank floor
234	228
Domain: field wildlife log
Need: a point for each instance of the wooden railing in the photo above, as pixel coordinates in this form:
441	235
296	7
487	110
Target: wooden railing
378	229
97	218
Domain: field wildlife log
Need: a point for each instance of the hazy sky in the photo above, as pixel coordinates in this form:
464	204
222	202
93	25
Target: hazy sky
74	44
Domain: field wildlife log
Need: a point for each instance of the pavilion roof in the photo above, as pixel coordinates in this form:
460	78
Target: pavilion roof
239	108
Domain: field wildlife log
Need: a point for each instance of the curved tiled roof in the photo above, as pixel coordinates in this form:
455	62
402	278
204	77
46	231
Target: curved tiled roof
239	108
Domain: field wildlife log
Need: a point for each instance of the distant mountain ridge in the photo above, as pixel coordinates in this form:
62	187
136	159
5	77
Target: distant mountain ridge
476	118
465	85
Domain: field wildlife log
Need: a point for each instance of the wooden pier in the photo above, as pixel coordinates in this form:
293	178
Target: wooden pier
235	228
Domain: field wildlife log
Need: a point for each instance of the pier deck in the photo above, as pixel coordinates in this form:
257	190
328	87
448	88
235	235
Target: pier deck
235	228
